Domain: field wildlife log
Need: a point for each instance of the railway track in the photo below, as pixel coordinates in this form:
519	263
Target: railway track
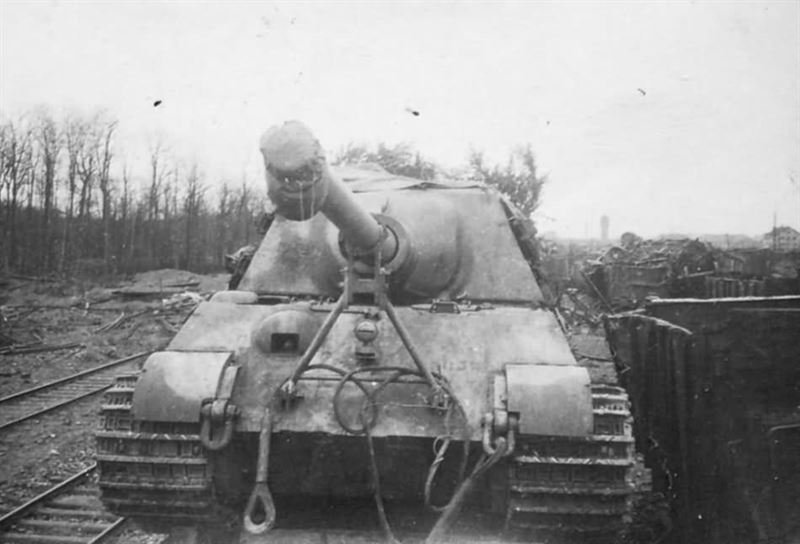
24	405
68	513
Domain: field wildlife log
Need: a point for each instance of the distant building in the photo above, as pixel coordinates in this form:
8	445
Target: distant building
604	229
782	239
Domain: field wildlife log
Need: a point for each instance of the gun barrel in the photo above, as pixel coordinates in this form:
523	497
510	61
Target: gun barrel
300	184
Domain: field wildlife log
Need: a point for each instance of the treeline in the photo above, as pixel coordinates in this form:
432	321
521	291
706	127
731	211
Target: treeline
69	205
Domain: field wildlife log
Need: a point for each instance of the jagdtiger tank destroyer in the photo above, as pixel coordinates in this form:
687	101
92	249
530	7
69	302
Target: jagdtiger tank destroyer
388	345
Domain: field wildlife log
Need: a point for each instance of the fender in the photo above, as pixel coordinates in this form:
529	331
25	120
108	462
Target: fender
174	384
550	400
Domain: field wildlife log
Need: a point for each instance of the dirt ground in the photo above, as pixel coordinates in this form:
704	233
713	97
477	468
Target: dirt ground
90	325
49	330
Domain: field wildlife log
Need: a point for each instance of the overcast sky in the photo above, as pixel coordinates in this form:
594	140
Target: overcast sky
667	117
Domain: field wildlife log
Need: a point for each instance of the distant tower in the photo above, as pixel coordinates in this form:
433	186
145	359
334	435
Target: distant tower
604	229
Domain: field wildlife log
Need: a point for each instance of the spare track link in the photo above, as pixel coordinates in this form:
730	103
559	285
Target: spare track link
157	473
578	484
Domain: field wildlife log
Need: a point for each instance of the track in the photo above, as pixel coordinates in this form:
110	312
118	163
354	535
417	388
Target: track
68	513
44	398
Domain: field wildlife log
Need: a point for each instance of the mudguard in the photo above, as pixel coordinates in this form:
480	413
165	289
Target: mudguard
550	400
174	384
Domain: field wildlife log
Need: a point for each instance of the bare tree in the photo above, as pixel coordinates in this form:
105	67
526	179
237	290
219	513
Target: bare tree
153	202
170	217
125	239
87	172
244	208
48	140
7	163
16	157
104	156
75	134
223	226
193	203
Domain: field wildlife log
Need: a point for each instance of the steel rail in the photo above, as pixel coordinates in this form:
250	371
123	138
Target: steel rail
73	376
22	509
111	528
52	407
63	381
18	513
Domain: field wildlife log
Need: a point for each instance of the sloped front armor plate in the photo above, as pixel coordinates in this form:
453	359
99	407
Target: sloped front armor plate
173	384
302	258
552	400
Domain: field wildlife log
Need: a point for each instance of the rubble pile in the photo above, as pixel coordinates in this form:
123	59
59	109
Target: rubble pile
682	257
626	275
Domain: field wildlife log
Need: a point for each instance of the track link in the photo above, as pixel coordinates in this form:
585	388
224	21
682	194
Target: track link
155	473
578	484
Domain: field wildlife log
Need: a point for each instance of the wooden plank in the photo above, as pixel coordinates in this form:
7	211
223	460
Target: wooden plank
679	352
644	417
670	442
658	389
707	474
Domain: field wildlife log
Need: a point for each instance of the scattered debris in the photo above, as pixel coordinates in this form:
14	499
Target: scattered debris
160	283
184	285
144	293
120	320
36	348
109	326
33	278
578	309
181	300
167	325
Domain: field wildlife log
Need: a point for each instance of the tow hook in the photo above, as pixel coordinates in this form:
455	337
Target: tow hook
218	411
213	413
260	503
496	427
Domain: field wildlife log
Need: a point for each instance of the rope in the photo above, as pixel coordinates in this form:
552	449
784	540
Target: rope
453	508
368	415
376	485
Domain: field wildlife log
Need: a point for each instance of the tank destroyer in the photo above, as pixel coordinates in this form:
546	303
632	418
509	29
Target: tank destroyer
388	345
